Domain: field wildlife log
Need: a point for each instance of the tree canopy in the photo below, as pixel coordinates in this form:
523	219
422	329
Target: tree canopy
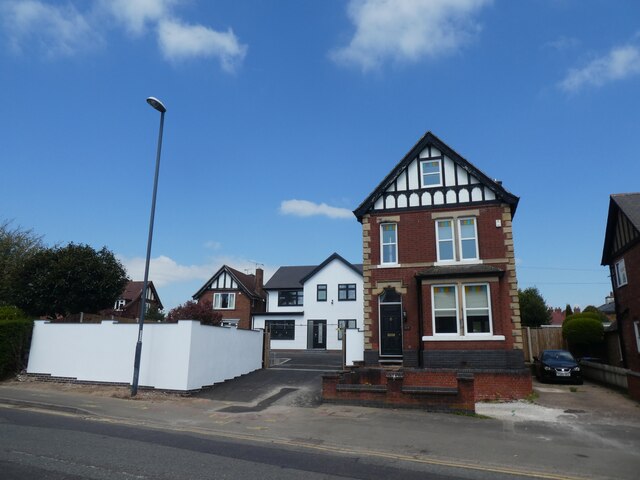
191	310
70	279
533	308
17	245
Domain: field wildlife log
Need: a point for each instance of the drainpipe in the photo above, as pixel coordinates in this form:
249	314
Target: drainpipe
420	319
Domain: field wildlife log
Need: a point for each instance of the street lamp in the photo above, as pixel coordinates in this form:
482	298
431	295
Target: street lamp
157	104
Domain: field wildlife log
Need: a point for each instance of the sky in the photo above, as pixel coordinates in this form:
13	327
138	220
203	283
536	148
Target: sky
282	116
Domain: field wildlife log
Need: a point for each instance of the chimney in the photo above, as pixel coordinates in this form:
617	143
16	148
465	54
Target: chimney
259	279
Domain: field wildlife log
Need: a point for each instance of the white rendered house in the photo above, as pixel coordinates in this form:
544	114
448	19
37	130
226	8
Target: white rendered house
309	307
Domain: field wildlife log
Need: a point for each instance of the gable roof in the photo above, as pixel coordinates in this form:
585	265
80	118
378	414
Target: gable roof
623	225
427	140
133	291
246	282
293	277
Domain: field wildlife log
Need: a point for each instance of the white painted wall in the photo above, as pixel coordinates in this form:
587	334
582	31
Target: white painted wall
175	356
354	347
300	335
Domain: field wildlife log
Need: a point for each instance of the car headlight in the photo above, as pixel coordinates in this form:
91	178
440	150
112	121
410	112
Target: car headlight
547	368
576	369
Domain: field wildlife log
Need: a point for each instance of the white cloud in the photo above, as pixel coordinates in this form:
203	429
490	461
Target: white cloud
57	31
164	271
180	41
563	43
407	30
620	63
213	245
304	208
135	15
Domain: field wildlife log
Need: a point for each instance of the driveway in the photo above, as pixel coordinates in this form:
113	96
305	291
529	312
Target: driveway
293	379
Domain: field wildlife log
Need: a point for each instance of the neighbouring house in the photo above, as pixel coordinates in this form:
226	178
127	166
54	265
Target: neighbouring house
235	295
309	307
128	304
621	253
440	288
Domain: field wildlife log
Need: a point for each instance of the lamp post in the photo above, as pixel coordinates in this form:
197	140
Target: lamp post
156	104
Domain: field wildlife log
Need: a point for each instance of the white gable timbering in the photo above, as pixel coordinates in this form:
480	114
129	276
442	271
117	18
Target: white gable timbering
458	185
223	281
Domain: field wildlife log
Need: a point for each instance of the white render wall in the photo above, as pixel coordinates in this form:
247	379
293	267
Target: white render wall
354	346
175	356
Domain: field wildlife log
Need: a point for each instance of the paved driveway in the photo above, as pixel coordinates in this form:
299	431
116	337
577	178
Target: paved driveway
294	379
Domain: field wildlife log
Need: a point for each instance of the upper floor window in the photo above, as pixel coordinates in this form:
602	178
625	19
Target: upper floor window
290	298
119	304
621	273
389	234
224	301
430	173
321	293
346	292
465	249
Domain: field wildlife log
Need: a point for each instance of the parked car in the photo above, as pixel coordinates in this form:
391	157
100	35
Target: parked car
557	365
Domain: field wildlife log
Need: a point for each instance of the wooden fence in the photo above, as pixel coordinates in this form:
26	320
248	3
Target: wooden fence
538	339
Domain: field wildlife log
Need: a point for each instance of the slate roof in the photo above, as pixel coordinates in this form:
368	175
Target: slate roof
430	139
293	277
460	271
246	282
629	203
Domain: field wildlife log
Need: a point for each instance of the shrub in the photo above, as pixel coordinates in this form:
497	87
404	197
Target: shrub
15	338
583	331
191	310
11	312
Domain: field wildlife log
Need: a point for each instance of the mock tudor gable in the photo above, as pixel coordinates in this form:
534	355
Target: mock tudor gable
432	174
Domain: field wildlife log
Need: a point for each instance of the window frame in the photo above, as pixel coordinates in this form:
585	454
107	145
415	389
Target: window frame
321	290
621	273
394	243
424	161
119	305
433	309
475	238
438	241
288	328
299	295
347	288
347	322
636	329
465	309
218	295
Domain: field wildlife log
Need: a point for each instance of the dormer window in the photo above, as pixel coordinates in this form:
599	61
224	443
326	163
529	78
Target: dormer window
430	173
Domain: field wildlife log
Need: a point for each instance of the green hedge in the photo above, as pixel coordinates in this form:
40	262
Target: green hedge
15	338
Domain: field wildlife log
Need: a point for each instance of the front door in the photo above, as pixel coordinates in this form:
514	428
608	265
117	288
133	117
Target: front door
317	336
391	330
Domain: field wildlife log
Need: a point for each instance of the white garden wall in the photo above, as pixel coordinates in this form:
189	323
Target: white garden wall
175	356
354	346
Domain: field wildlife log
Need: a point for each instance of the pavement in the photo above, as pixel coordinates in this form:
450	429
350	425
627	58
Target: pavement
587	431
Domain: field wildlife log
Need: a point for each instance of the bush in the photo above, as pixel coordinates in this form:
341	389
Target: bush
15	338
11	312
191	310
583	332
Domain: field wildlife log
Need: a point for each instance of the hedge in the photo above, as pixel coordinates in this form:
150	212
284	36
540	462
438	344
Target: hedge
15	338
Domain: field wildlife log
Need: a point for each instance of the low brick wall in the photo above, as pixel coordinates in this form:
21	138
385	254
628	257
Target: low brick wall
401	388
633	380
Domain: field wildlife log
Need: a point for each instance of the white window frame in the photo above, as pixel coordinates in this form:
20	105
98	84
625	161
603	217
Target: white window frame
636	329
217	301
433	310
475	234
119	305
621	273
464	309
229	323
343	325
394	243
453	240
422	174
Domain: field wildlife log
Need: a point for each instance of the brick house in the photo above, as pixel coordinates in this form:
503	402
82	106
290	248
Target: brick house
440	288
235	295
128	303
621	253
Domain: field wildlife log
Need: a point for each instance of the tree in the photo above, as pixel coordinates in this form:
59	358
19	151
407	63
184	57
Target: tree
591	309
16	246
583	332
71	279
568	311
533	309
191	310
154	314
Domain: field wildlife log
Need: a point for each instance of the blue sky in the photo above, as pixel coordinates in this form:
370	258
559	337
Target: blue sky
282	116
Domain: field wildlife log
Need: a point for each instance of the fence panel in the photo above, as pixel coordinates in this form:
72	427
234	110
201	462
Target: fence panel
544	338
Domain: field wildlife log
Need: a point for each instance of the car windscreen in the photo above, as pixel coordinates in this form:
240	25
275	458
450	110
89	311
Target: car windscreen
559	355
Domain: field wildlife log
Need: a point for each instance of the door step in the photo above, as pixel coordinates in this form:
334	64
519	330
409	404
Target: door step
390	361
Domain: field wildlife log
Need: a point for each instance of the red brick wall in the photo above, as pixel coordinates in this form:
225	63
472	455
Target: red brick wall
633	382
243	310
628	300
417	244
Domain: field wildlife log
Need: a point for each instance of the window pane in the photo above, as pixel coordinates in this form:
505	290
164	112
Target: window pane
389	233
476	296
431	167
445	232
431	173
446	322
389	254
322	293
478	322
444	298
468	228
446	250
469	249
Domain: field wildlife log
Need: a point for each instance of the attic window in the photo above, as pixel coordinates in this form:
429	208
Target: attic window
430	173
119	304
